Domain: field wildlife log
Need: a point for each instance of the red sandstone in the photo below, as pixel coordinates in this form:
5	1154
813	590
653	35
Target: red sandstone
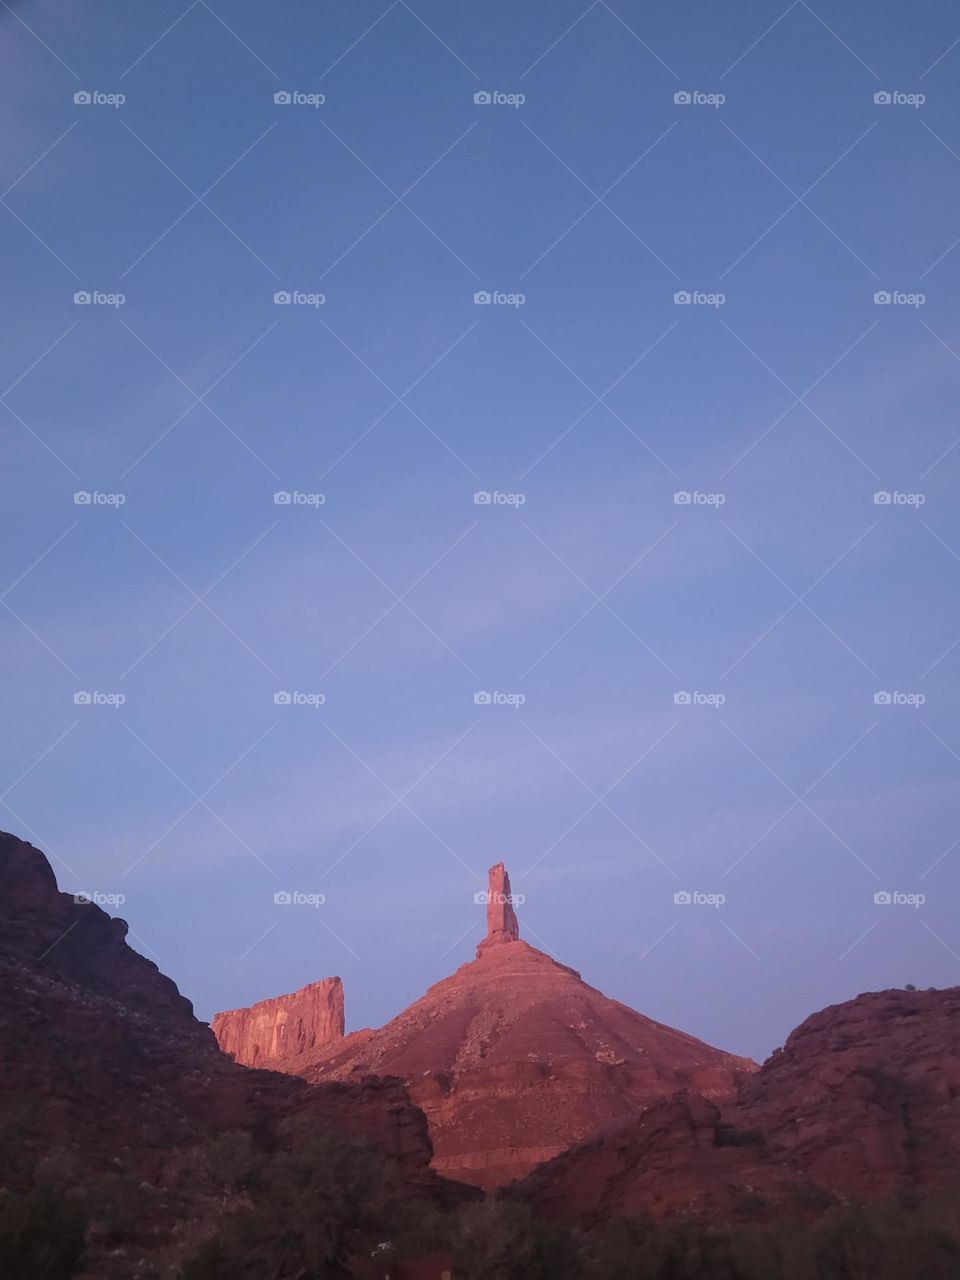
266	1033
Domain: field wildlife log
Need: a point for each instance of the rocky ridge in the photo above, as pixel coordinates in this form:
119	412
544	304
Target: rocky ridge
861	1103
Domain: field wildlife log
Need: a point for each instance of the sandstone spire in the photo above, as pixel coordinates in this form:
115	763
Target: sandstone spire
501	918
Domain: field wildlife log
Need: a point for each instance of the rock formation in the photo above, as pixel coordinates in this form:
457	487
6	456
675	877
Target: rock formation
266	1033
501	918
862	1102
513	1058
105	1070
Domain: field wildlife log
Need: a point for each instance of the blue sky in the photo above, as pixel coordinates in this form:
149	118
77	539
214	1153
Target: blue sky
783	197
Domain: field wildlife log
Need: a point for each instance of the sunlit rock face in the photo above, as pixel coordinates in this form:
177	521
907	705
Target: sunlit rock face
284	1027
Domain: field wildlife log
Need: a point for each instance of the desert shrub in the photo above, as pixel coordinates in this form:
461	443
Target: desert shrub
314	1207
41	1235
117	1206
685	1249
17	1161
885	1243
497	1239
228	1164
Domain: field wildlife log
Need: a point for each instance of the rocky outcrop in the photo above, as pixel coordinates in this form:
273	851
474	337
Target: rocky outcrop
502	923
265	1034
104	1068
71	940
862	1102
514	1058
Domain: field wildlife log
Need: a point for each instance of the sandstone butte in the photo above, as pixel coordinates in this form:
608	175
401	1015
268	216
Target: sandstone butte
283	1027
513	1058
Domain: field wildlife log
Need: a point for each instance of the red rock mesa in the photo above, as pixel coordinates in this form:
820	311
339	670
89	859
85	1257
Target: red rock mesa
284	1026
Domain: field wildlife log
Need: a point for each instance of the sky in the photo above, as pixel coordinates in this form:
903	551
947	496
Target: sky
441	434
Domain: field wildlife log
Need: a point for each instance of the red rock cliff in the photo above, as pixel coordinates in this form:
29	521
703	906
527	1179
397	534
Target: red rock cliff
862	1102
266	1033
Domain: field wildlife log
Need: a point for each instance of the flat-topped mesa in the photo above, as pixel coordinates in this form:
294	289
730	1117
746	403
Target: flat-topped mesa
272	1030
501	918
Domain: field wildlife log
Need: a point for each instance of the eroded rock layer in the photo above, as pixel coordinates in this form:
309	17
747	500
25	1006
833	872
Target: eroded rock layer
862	1102
265	1033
